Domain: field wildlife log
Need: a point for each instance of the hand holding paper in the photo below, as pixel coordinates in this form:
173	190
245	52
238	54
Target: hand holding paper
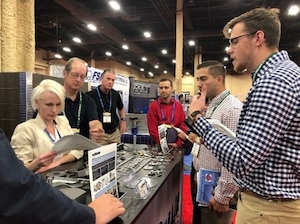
181	132
73	142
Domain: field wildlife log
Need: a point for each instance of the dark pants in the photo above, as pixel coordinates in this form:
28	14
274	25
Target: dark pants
196	209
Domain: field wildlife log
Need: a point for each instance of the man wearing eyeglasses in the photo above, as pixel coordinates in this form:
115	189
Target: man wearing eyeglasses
80	109
265	156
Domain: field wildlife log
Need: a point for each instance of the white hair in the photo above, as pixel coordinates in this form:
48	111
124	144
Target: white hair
51	86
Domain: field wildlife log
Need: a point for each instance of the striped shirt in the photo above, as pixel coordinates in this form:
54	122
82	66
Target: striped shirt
265	157
225	108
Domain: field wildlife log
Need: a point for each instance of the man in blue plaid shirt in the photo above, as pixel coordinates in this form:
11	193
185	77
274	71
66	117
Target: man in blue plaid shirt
265	157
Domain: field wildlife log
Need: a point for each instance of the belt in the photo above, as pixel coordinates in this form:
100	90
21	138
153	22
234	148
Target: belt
269	199
110	131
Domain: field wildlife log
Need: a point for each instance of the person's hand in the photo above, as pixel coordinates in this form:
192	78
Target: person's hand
47	158
96	130
182	135
97	134
123	127
48	167
192	136
214	205
198	102
42	161
106	208
172	145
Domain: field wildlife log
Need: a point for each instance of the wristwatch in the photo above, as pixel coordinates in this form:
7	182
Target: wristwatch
189	121
123	119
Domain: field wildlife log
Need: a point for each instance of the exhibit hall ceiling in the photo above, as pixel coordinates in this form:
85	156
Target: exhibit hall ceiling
59	21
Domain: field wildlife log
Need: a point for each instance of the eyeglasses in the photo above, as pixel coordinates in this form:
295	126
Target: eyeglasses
75	76
235	40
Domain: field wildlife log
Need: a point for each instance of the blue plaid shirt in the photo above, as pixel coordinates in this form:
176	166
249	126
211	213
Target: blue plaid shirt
265	157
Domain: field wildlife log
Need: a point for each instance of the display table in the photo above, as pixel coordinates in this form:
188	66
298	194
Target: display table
164	202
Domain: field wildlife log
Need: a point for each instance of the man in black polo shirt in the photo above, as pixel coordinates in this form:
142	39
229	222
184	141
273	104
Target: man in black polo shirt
108	101
80	109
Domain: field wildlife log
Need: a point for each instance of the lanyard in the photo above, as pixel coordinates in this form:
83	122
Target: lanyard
79	111
101	102
162	113
259	67
50	136
221	100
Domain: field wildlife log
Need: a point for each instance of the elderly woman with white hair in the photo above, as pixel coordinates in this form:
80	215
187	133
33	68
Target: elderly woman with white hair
32	140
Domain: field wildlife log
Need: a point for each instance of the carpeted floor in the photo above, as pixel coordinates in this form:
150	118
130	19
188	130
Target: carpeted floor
187	208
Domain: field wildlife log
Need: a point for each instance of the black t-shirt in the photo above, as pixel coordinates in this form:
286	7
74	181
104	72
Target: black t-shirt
88	113
116	104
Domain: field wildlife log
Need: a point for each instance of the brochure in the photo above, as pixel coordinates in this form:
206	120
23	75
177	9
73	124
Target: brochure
221	127
207	180
74	142
162	132
102	170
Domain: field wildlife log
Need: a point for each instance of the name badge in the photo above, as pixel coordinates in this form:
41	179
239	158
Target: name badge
195	149
106	117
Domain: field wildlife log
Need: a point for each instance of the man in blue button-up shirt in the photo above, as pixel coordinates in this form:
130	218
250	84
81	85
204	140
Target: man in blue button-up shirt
265	156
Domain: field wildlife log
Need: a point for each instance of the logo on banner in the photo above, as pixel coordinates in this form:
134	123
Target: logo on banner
93	74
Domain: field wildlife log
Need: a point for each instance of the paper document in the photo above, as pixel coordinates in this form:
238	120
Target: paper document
74	142
102	170
162	132
221	127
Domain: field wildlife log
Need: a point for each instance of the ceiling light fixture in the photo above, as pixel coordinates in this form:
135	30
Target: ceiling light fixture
108	53
66	49
147	34
128	63
115	5
164	51
144	59
92	27
125	46
293	10
77	39
192	43
57	55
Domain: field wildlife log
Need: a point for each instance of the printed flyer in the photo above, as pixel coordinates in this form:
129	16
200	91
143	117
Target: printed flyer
102	170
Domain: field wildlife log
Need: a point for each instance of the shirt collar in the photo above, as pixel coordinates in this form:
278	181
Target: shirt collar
217	99
268	64
41	121
172	100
